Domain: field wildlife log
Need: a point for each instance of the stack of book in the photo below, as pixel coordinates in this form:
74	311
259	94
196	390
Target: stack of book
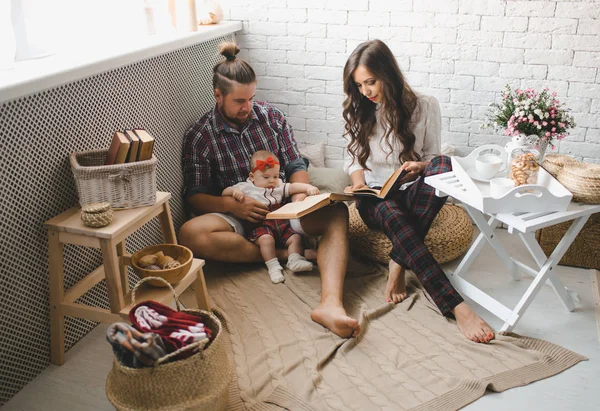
129	146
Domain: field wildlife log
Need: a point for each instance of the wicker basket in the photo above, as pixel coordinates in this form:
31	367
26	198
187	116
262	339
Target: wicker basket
199	382
583	252
553	163
449	237
583	180
126	185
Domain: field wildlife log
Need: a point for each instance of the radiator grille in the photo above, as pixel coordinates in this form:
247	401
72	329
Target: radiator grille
165	95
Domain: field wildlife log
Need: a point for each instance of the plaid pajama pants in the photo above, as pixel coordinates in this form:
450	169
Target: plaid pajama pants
405	219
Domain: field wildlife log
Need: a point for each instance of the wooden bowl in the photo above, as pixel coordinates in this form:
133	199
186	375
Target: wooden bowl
172	275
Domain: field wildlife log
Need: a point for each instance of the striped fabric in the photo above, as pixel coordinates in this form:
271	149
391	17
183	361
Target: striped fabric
405	220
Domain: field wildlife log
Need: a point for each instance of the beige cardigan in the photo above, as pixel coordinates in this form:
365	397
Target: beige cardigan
426	125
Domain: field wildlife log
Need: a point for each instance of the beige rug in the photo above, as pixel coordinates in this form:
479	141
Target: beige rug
408	357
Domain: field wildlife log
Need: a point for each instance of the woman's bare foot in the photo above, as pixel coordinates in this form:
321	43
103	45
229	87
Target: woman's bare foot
469	323
335	319
310	254
395	289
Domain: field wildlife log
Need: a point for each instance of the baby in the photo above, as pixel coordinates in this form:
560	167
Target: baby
264	185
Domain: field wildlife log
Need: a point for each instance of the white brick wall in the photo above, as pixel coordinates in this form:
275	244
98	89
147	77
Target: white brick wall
461	51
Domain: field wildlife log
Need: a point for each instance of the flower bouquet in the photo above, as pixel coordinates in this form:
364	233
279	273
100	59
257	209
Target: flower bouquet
539	116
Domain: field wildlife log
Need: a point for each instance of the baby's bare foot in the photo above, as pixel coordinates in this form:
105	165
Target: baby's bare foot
395	289
336	320
473	327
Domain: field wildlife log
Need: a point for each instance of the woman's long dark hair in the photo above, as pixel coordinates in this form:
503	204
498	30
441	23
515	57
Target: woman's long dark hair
399	103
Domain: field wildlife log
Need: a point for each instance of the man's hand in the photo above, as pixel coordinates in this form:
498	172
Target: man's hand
298	197
413	170
249	209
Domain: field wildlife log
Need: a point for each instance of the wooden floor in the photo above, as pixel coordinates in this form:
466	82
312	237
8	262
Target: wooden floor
79	383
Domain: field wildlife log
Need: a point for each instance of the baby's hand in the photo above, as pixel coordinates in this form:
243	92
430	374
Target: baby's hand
312	190
238	195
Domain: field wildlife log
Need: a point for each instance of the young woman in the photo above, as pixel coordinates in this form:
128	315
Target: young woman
392	127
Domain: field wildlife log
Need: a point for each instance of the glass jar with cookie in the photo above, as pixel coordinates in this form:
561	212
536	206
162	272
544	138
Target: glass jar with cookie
524	166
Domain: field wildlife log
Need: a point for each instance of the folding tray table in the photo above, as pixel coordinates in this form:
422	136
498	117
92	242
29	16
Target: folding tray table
528	208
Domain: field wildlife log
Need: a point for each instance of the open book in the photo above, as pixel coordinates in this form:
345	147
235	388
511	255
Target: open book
312	203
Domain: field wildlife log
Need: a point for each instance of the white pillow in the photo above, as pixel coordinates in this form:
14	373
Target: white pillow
314	153
328	180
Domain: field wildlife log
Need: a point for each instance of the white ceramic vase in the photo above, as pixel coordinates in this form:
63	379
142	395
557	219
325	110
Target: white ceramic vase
542	146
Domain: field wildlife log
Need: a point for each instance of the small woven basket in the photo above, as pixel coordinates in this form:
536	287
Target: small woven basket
449	237
583	180
127	185
553	163
96	214
199	382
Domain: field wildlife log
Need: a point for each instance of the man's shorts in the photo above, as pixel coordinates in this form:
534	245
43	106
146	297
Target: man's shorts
238	225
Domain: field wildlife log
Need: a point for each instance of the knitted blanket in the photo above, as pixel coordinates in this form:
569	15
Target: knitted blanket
407	357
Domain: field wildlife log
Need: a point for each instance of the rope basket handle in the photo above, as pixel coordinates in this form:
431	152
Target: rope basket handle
198	344
143	280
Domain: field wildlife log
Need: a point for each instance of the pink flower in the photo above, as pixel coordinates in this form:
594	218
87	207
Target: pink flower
553	93
561	125
552	146
544	123
553	129
547	134
507	132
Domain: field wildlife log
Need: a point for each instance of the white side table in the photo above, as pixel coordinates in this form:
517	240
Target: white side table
524	225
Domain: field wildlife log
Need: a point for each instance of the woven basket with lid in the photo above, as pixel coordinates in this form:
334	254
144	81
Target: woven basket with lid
553	163
583	180
96	214
449	237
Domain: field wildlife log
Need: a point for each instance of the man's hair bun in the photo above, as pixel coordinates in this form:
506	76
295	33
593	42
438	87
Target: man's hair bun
229	50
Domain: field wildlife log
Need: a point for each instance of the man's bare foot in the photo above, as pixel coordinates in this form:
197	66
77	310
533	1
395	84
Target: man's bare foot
336	320
473	327
310	254
395	289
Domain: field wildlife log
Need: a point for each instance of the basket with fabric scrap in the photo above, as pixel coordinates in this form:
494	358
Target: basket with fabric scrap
195	376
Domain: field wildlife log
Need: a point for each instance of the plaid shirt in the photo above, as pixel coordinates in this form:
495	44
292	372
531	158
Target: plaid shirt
216	156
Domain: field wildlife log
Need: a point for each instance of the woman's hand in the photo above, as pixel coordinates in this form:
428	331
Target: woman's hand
356	186
413	170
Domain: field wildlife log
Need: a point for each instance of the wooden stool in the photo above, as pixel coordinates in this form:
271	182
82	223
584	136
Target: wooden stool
67	228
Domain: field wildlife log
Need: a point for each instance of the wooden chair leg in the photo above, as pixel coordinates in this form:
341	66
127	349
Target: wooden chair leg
113	275
166	225
201	292
57	292
123	270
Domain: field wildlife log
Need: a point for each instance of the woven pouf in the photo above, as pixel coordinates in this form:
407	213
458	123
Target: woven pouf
449	237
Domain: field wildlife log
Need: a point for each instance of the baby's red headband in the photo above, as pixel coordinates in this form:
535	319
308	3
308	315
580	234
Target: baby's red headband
268	163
